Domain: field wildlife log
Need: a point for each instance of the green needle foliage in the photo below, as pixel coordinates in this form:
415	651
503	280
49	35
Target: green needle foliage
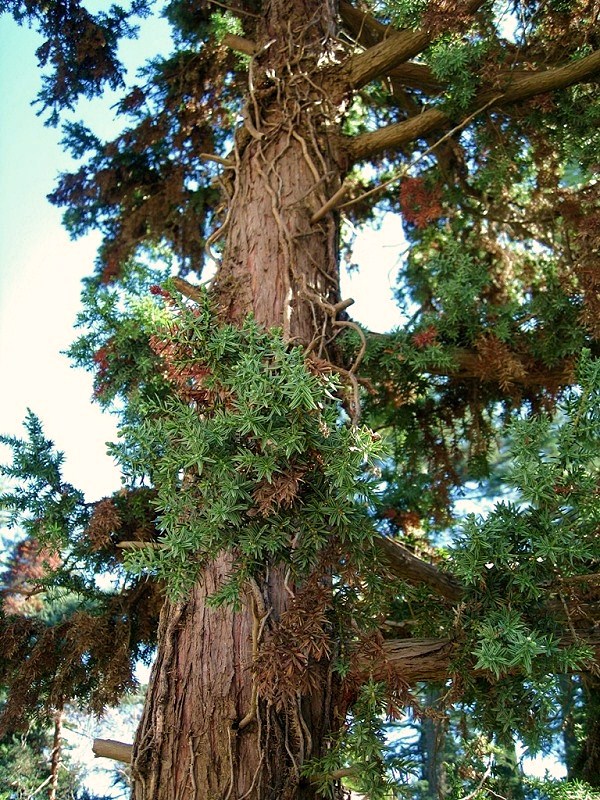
250	452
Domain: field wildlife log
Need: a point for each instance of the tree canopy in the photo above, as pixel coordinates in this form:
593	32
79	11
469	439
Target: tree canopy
286	535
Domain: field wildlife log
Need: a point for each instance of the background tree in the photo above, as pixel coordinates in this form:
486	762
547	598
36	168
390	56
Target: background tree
253	537
34	761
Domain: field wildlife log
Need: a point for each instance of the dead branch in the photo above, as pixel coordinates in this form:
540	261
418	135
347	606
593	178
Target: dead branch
110	748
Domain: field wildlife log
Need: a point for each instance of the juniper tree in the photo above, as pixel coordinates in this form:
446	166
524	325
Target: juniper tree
287	472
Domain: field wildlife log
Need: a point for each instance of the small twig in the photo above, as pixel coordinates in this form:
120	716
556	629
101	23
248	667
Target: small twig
225	162
576	638
331	203
40	787
340	323
136	545
484	778
235	11
345	187
404	170
355	404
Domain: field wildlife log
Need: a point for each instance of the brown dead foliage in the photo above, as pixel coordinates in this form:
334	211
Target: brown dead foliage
280	491
89	655
581	211
105	520
31	562
497	362
369	660
287	660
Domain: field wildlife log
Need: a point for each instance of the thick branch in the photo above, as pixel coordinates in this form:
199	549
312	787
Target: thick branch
368	32
417	660
407	566
394	136
381	58
520	88
378	60
109	748
418	76
527	85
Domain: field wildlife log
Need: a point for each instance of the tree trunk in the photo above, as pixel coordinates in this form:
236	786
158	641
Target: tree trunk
568	687
432	746
208	731
55	758
586	765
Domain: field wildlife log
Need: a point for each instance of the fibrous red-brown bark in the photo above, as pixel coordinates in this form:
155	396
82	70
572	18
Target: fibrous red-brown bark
207	732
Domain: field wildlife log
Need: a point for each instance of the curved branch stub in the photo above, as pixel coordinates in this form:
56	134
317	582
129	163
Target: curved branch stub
111	748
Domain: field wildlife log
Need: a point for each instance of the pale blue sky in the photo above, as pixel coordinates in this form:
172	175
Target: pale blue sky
40	272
